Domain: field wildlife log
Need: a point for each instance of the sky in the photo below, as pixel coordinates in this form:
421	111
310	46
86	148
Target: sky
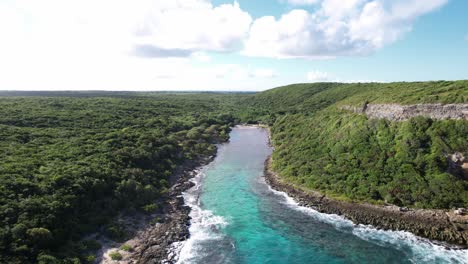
241	45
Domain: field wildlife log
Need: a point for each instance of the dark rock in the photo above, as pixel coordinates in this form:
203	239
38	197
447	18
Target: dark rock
432	224
156	240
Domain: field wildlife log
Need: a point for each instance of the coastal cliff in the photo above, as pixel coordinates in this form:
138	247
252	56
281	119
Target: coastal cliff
397	112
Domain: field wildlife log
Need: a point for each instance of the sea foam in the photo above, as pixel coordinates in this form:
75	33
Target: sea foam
422	250
204	224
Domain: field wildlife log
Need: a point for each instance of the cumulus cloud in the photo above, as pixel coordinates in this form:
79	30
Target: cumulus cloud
160	44
116	44
303	2
143	28
337	28
233	76
177	28
150	51
193	25
201	56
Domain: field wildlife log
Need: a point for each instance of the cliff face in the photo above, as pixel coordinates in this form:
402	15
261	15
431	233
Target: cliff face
396	112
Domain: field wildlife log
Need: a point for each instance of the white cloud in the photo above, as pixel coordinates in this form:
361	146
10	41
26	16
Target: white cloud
337	28
201	56
194	25
318	76
303	2
116	44
146	28
160	44
237	77
262	73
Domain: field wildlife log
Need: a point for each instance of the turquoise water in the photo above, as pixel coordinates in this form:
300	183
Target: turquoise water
237	218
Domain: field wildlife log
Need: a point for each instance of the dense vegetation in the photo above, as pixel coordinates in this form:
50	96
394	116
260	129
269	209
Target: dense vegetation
70	162
306	99
348	156
68	165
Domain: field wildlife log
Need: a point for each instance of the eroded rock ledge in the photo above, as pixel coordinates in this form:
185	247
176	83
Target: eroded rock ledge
441	225
153	242
397	112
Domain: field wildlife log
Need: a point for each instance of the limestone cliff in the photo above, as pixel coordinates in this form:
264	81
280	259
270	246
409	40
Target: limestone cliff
396	112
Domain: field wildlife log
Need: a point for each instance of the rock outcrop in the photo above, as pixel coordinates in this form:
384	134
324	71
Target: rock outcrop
397	112
441	225
154	241
458	165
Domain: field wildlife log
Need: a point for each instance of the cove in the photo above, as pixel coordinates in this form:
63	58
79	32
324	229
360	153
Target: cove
238	218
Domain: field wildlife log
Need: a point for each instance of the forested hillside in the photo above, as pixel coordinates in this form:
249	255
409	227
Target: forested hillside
69	163
349	156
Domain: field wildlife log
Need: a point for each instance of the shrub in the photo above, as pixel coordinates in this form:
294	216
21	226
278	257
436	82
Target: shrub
115	255
39	236
116	232
90	258
149	208
126	247
47	259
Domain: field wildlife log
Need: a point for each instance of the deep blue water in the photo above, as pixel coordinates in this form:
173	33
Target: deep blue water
237	218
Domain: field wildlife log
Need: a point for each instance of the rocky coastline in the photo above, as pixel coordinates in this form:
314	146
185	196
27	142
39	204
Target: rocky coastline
153	242
438	225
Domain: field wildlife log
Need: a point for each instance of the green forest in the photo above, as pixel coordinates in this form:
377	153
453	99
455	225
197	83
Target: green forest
348	156
71	161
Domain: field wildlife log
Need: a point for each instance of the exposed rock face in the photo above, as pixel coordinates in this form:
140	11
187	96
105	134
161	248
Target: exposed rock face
442	225
458	165
155	242
396	112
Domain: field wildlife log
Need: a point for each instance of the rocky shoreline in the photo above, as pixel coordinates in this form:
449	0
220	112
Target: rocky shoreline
439	225
154	242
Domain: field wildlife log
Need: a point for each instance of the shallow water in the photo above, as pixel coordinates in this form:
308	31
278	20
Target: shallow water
238	218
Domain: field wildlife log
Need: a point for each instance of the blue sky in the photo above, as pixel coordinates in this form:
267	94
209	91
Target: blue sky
228	45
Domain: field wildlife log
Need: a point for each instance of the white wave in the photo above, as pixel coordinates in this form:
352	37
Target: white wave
422	250
336	220
204	224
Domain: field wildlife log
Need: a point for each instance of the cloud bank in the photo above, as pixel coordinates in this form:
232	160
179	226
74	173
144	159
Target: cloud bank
176	28
303	2
336	28
167	44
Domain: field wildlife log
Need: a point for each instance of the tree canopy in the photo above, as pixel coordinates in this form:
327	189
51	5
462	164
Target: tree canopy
71	161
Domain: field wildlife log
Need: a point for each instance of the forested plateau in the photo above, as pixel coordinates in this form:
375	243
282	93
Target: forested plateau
70	162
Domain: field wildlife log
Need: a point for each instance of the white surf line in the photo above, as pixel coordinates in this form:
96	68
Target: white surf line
423	250
202	223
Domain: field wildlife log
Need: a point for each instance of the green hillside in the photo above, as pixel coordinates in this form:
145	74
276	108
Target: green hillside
71	162
348	156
